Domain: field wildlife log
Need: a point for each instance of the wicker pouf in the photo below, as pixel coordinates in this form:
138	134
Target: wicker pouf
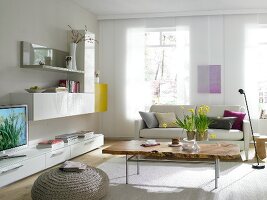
91	183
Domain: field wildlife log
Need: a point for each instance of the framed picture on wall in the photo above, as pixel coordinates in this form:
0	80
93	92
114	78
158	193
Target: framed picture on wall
209	79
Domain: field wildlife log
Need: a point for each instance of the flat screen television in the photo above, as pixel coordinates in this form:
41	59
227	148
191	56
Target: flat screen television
13	128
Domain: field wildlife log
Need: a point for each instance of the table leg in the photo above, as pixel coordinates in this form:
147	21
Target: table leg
137	165
126	167
217	172
218	168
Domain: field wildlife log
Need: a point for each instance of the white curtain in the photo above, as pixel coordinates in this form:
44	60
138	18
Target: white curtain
183	64
121	66
201	40
255	66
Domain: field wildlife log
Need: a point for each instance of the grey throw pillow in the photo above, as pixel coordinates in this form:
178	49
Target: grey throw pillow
222	123
150	119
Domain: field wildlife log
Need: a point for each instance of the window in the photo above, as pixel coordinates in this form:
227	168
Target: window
167	66
256	68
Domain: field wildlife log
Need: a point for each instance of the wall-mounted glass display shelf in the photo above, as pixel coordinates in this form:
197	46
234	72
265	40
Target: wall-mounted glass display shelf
35	56
51	68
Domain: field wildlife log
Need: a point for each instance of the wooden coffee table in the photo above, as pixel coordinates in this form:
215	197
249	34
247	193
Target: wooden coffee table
207	153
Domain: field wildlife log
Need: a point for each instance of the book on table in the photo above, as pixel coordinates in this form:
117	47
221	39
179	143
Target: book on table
85	134
73	137
68	138
70	166
56	90
54	144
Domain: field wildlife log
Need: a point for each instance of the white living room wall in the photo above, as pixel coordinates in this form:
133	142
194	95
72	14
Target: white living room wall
217	39
45	23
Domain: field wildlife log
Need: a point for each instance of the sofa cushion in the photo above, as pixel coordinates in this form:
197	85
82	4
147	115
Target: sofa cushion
162	133
238	124
222	122
227	135
150	119
179	110
166	120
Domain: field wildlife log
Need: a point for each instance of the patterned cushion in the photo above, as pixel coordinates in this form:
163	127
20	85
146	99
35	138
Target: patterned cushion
166	120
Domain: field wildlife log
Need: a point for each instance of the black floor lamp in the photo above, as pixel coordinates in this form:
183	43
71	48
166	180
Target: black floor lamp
255	165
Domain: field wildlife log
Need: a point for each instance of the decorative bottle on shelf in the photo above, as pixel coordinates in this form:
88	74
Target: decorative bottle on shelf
97	79
97	73
73	47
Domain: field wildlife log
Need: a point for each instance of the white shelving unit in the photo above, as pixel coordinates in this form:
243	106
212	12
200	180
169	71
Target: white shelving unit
53	105
42	106
36	160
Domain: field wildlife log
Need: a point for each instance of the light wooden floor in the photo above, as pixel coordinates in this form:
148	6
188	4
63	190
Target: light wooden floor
21	190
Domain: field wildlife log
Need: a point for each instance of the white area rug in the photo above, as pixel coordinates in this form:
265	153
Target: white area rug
158	180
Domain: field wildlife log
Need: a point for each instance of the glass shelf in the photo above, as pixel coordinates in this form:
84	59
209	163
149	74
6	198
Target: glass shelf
51	68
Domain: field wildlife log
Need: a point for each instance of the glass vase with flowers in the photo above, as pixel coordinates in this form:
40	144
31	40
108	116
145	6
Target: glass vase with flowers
78	36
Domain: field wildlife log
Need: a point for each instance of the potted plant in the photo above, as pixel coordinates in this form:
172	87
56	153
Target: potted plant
202	123
188	123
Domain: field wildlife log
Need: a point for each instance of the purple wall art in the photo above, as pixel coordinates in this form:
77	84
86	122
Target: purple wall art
209	78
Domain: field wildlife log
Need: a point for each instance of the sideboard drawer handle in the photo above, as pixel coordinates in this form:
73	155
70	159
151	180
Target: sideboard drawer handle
57	154
85	143
11	169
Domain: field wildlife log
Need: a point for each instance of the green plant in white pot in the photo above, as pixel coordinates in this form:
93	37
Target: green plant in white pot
188	123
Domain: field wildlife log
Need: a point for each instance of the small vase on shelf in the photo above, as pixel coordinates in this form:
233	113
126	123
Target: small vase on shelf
68	60
97	73
97	79
73	47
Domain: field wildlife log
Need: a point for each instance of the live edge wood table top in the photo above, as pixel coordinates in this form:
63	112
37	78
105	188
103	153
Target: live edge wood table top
222	151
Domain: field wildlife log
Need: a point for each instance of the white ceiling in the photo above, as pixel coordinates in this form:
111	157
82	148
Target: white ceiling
103	8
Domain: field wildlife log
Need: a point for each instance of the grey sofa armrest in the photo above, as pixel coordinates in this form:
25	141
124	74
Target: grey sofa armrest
139	124
247	134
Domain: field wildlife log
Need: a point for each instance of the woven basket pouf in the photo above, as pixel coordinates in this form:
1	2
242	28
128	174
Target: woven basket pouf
90	184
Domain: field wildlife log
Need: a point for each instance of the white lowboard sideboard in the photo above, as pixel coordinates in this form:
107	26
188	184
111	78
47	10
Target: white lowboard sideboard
36	160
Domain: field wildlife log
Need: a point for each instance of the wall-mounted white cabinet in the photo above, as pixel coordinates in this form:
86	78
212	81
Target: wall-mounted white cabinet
53	105
80	103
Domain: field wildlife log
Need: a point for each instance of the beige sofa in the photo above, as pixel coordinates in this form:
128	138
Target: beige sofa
242	138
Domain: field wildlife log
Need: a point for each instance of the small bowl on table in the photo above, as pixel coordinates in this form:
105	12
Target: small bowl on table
35	90
175	142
